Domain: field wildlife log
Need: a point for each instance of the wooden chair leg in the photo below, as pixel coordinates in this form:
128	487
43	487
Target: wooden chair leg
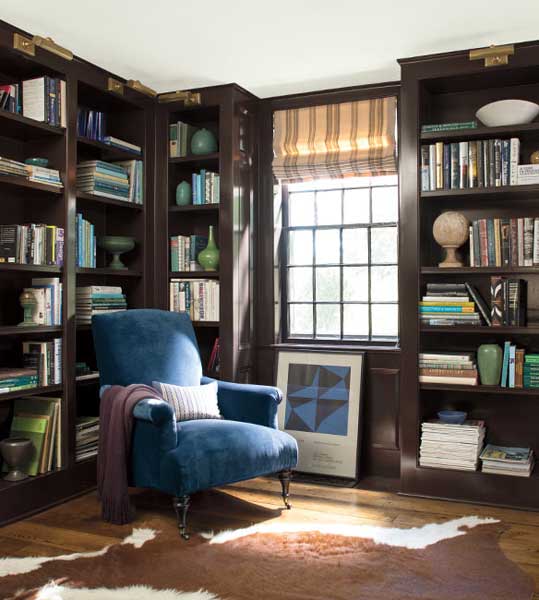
181	506
285	477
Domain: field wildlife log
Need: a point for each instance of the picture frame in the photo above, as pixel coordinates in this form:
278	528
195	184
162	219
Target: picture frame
322	409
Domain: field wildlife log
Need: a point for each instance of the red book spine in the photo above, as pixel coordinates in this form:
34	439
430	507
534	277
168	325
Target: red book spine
483	239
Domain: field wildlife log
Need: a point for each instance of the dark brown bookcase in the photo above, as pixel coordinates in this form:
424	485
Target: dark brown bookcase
442	89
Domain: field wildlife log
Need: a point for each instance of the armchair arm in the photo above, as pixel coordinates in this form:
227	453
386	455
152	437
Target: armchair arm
159	414
249	403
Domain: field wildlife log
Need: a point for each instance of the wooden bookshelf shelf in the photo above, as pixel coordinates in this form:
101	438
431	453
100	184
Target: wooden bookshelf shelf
108	152
530	192
479	270
194	208
89	378
480	389
482	133
22	182
30	268
36	391
14	330
194	274
481	330
109	272
195	161
206	324
484	476
17	126
109	201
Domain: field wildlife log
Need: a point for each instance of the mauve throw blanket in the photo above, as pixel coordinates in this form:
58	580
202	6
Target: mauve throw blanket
115	428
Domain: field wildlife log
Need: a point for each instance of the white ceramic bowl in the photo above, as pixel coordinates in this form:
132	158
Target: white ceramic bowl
507	112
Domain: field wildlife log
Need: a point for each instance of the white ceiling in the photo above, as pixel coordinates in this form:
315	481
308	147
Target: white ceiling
270	48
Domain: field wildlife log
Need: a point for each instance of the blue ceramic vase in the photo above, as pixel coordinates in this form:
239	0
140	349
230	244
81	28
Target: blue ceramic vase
203	142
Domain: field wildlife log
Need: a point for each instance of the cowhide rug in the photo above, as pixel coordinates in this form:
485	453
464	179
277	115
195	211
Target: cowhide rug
281	560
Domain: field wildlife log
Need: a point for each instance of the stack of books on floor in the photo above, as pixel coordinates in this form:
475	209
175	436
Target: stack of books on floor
40	420
184	251
86	437
121	144
504	242
33	244
447	368
135	171
44	175
531	371
15	379
86	243
12	167
472	164
205	186
91	124
199	298
97	300
46	359
48	294
503	460
508	301
180	135
44	99
451	446
11	98
451	304
104	179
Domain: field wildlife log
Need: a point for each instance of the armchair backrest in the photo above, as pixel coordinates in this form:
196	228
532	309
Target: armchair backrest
145	345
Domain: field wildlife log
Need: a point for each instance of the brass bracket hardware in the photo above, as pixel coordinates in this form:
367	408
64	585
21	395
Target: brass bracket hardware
51	46
494	56
135	84
188	98
24	44
113	85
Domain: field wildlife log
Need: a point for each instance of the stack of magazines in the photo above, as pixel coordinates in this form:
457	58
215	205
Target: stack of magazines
504	460
451	446
87	437
12	167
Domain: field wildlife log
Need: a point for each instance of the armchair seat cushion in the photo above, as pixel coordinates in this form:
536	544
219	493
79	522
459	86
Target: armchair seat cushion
212	453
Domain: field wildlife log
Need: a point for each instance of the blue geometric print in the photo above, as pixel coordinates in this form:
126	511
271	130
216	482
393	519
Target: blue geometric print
318	399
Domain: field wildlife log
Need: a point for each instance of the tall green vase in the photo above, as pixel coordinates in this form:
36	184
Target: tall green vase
208	258
489	361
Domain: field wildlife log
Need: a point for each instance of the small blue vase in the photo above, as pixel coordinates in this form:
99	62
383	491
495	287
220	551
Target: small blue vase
203	142
183	194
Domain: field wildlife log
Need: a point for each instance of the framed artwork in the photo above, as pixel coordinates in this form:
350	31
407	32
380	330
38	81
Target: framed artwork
321	408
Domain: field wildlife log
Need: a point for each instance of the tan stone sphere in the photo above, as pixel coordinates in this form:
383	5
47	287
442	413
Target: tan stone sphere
451	230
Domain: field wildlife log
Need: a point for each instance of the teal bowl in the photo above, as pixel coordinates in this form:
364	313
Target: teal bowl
37	161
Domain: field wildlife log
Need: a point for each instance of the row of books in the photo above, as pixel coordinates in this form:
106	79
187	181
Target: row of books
15	379
46	358
39	419
205	187
44	99
451	304
471	164
11	98
97	300
179	138
120	180
30	172
448	368
48	294
184	251
512	374
199	298
91	124
86	437
86	243
32	244
530	371
501	242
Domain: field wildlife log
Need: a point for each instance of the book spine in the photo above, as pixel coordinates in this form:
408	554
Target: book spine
472	245
447	167
497	243
536	241
425	182
528	242
520	241
463	162
496	295
472	165
514	153
505	150
432	167
480	165
497	163
491	163
511	366
514	242
491	243
483	229
506	245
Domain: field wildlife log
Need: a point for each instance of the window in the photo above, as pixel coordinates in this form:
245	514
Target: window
339	263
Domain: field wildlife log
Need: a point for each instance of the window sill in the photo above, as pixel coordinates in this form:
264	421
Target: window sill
315	346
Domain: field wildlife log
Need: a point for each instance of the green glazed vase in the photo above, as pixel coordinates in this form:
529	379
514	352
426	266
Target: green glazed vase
208	258
489	361
203	142
183	194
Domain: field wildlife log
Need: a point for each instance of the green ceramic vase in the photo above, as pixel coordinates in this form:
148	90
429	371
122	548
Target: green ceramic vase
203	142
208	259
183	194
489	361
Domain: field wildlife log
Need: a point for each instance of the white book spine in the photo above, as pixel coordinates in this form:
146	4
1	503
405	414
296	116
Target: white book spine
536	241
514	153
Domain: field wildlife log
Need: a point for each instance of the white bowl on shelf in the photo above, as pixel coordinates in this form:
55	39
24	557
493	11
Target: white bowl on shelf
507	112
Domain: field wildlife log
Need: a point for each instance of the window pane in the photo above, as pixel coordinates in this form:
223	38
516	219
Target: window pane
383	245
300	319
385	320
328	284
300	284
384	284
300	248
301	209
328	246
355	284
355	246
328	207
356	206
356	320
385	204
328	320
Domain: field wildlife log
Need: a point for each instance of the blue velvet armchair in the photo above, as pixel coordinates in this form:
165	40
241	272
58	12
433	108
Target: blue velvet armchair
180	458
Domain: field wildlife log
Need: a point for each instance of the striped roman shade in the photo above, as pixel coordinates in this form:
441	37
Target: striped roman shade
350	139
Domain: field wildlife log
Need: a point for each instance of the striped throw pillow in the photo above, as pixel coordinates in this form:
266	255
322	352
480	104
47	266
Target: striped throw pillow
193	402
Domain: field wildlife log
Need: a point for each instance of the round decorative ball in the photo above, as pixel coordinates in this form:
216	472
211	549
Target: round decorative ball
534	158
203	142
183	194
451	229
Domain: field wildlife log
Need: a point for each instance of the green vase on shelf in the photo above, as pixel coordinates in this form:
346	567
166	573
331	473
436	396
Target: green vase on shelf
489	361
183	194
208	258
203	142
28	302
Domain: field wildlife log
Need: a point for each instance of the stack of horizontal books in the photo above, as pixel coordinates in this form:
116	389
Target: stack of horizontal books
503	460
531	371
98	300
15	379
87	437
447	368
104	179
450	304
44	175
12	167
451	446
121	144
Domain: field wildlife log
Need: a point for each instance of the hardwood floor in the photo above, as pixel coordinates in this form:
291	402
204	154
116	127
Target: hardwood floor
75	526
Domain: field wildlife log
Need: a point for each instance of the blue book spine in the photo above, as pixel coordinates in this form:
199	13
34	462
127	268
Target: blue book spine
512	351
442	309
491	240
505	365
194	187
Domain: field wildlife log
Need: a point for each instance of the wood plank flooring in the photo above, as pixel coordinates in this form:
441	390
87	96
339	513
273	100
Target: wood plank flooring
76	526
